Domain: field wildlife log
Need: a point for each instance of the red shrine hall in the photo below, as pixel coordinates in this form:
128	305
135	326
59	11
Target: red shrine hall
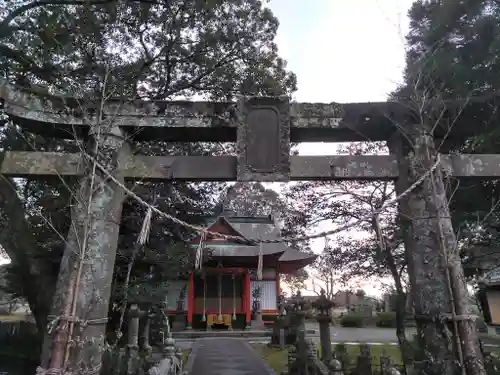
220	294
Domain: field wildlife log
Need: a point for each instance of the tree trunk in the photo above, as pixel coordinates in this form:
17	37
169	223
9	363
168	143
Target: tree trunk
22	248
401	299
404	345
86	273
436	276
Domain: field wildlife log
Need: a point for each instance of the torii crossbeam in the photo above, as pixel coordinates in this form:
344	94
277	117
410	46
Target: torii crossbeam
263	129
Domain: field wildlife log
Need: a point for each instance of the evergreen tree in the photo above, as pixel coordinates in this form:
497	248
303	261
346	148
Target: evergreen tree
453	53
129	49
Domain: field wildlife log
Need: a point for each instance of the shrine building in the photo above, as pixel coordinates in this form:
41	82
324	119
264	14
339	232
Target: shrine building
220	293
482	262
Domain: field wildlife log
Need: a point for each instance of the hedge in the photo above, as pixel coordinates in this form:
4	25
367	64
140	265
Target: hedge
386	320
353	319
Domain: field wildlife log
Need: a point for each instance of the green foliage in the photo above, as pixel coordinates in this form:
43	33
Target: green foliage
161	50
20	338
129	49
340	348
453	49
353	319
386	320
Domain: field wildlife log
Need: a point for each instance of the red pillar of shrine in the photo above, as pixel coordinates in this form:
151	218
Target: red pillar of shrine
190	301
248	298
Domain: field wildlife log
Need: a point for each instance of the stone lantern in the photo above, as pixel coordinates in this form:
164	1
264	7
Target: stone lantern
281	306
298	309
323	306
298	304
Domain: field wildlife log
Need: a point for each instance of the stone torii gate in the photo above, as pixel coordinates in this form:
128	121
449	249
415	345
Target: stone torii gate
263	129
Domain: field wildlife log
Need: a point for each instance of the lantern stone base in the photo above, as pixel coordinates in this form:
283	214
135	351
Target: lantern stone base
179	323
257	322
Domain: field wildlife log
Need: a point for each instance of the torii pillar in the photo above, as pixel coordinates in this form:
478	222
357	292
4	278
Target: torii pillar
438	287
86	273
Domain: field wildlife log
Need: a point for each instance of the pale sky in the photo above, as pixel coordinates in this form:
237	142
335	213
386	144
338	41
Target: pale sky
342	51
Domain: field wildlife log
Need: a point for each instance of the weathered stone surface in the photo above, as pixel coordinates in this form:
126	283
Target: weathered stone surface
364	360
323	306
264	140
86	272
192	168
343	167
133	326
210	121
24	163
436	276
479	166
223	168
201	121
145	333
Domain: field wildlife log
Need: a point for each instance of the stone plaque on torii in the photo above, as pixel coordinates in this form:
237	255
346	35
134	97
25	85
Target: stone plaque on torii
263	129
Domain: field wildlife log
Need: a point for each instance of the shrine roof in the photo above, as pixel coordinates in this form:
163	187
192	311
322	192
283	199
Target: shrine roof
247	251
288	259
251	229
256	231
293	260
292	255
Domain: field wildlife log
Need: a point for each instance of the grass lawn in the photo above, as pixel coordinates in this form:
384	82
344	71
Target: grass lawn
185	355
15	318
275	357
278	359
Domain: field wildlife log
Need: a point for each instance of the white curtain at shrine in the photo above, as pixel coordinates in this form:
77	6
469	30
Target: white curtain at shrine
268	287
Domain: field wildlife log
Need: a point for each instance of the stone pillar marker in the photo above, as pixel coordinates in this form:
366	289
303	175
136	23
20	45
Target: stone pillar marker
278	336
263	136
133	327
132	350
298	307
146	327
323	306
364	362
